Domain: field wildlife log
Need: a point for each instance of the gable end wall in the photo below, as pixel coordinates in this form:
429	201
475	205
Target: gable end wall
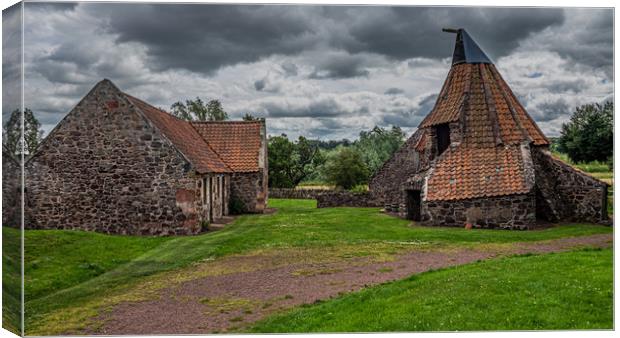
106	169
386	184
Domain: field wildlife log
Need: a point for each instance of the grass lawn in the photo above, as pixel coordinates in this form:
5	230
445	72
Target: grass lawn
11	280
69	271
572	290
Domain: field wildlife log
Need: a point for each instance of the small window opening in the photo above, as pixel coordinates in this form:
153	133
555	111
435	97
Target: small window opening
443	137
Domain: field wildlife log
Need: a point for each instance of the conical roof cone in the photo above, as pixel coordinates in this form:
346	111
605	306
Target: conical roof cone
489	155
475	94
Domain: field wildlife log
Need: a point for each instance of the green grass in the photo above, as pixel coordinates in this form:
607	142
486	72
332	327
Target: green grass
572	290
57	259
11	280
63	281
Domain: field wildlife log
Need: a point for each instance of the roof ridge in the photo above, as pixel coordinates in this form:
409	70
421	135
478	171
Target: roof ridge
131	98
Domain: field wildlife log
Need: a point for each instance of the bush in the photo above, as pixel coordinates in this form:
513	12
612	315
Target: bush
347	169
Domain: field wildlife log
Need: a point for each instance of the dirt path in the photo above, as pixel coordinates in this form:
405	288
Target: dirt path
229	301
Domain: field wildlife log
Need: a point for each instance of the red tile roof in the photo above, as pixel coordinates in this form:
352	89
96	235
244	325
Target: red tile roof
420	146
478	95
237	142
473	172
451	98
184	137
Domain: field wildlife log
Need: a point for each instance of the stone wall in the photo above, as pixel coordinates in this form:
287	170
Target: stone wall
106	168
565	193
11	191
386	182
504	212
332	199
249	189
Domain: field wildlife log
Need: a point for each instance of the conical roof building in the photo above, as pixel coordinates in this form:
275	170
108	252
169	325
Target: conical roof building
478	158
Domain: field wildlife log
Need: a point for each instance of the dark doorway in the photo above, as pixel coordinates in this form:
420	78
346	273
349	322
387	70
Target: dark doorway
443	137
414	205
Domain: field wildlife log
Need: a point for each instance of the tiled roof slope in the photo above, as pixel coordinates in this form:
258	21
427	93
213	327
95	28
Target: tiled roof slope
477	94
468	172
237	142
184	137
451	98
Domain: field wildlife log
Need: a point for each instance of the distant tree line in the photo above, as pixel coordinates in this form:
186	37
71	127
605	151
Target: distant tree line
342	163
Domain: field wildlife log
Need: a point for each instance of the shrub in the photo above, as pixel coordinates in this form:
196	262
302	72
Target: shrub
347	169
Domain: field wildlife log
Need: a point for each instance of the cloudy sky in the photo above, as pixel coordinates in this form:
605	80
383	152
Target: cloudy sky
325	72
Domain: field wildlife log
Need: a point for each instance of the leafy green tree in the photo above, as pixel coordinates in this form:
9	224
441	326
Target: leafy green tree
377	145
11	132
588	136
347	169
249	117
197	110
291	162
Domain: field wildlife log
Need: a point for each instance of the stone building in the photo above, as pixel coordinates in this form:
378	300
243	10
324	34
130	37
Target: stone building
478	158
116	164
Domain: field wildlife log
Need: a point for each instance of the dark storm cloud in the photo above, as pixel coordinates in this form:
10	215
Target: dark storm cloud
51	6
323	107
575	86
426	104
11	60
259	84
400	31
549	111
289	68
213	36
340	66
210	36
410	118
591	42
394	91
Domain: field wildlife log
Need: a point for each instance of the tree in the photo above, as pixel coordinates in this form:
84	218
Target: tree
291	162
588	136
249	117
377	145
347	169
11	132
196	110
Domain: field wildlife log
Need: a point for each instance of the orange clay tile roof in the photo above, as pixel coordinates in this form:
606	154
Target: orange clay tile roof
237	142
184	137
476	94
420	146
468	172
